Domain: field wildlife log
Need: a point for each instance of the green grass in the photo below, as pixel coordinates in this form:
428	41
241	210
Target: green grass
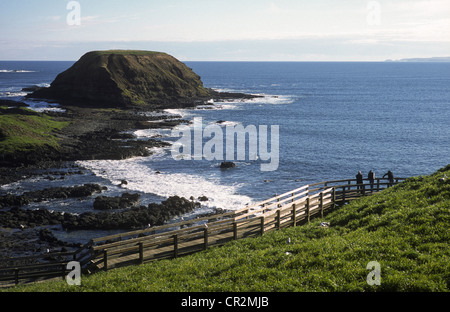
24	130
127	52
404	228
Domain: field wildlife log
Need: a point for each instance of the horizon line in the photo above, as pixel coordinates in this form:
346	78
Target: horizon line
250	61
432	59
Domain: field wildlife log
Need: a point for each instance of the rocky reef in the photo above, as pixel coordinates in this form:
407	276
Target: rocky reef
127	219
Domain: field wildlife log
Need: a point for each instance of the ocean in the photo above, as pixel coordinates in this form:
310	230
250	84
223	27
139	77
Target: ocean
334	119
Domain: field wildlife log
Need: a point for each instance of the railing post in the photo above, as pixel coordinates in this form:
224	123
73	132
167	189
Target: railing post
105	259
262	225
378	184
343	193
307	208
321	204
63	271
293	195
294	214
205	235
334	197
235	231
16	276
141	252
278	219
175	246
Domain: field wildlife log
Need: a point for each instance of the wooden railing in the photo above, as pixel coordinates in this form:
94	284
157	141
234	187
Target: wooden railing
44	267
174	240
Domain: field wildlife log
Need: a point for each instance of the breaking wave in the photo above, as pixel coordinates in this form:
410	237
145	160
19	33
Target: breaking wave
16	71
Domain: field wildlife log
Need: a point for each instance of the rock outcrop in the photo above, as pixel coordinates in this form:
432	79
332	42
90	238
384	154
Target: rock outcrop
26	198
132	218
125	201
125	79
227	165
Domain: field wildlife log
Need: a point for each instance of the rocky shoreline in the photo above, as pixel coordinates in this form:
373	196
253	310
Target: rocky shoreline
127	219
93	134
96	134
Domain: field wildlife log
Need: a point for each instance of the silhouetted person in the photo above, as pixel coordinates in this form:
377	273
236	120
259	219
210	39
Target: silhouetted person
371	177
359	181
390	177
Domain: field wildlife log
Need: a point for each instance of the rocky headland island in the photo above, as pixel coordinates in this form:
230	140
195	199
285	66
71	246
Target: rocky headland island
104	95
126	79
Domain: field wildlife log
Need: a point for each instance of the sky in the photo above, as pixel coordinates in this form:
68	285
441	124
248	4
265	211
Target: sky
227	30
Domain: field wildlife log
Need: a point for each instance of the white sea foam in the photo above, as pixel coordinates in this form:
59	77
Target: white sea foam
183	113
154	133
33	104
219	106
42	106
158	152
224	90
227	123
152	114
263	98
205	106
271	99
156	120
13	94
16	71
149	133
142	178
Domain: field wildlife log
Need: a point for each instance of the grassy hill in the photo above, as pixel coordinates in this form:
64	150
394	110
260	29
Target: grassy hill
404	229
24	131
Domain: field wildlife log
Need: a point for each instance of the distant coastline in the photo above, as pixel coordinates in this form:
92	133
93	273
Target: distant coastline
425	59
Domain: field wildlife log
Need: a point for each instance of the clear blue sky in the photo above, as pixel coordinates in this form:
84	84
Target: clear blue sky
229	30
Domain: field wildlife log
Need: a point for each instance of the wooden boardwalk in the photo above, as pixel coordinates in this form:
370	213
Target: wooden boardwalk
174	240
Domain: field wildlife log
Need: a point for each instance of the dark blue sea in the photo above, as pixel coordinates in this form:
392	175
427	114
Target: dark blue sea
334	119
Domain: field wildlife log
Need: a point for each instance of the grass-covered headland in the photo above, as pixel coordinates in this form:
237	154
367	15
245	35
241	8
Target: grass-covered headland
24	131
404	229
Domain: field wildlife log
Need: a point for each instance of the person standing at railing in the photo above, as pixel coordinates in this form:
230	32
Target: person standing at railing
390	177
359	181
371	177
